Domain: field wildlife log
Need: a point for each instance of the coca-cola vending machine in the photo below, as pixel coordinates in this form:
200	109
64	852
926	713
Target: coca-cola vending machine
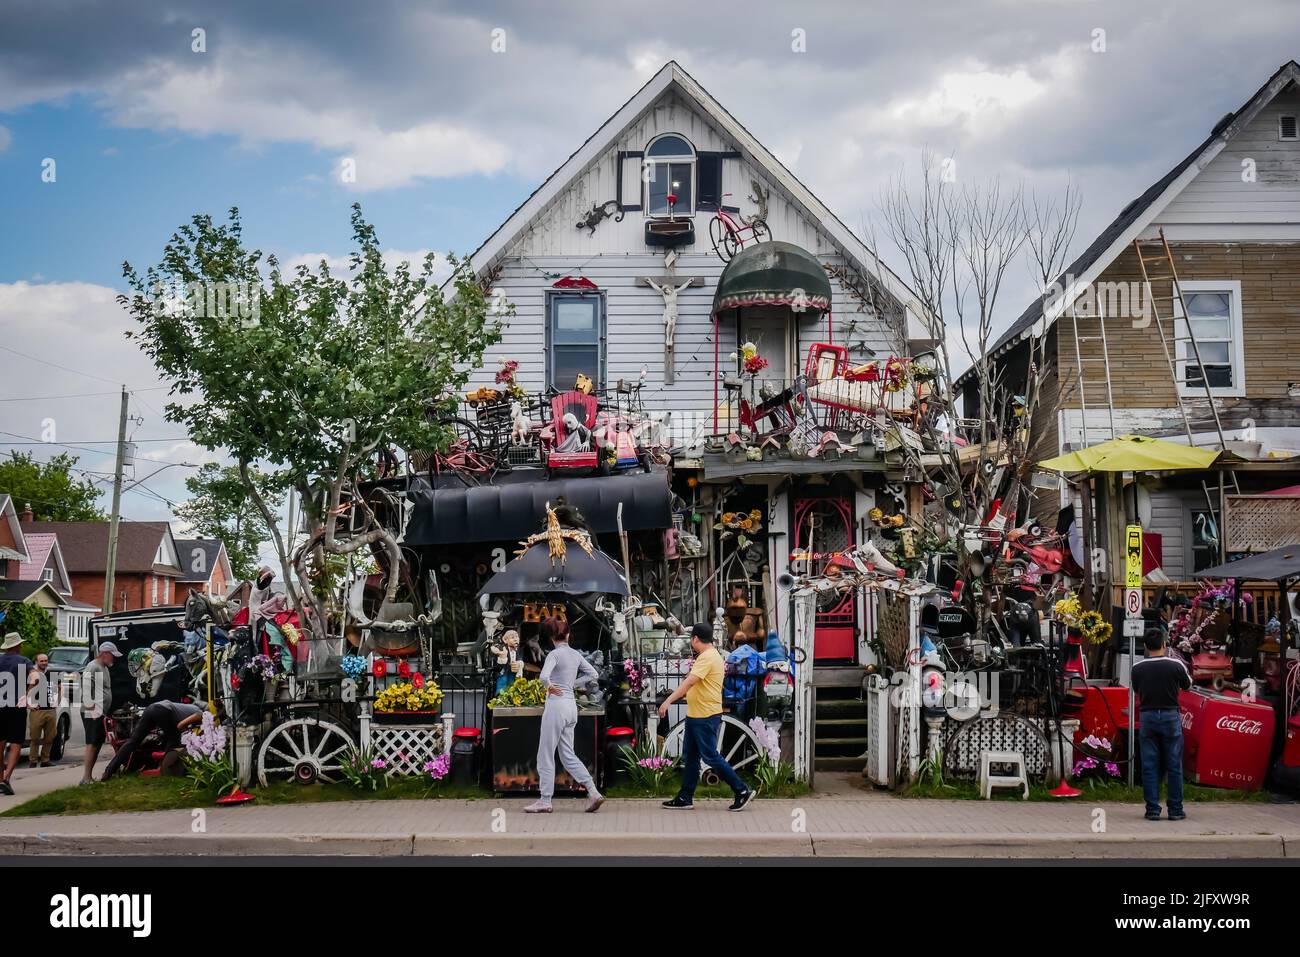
1226	741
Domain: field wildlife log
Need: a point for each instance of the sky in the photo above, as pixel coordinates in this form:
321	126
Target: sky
118	121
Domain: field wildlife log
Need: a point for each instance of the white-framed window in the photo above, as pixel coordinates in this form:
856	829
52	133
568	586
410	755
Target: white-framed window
575	338
167	591
47	574
1214	318
1286	127
669	170
153	585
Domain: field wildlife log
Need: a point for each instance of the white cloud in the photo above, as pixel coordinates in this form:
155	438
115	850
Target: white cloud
255	99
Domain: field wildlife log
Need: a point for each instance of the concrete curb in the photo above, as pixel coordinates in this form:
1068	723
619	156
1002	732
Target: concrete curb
929	845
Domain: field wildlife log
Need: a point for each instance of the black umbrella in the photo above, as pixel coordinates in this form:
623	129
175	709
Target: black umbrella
578	573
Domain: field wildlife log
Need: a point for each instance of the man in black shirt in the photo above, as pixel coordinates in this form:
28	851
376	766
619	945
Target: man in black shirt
1157	679
169	717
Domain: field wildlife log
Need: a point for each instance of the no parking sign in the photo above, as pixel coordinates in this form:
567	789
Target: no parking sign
1133	572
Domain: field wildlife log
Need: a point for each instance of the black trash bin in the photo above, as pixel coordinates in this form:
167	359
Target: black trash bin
618	741
466	756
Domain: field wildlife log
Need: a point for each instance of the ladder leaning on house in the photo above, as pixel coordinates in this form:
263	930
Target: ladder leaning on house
1171	339
1083	362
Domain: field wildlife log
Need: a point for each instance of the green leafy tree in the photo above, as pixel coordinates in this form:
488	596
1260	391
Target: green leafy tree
314	376
33	623
220	506
53	492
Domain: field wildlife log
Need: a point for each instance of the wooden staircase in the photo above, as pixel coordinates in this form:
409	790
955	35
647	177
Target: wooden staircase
840	722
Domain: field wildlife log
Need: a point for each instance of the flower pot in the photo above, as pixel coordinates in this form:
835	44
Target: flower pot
406	717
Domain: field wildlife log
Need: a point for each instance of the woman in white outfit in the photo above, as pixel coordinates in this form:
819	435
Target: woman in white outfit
563	671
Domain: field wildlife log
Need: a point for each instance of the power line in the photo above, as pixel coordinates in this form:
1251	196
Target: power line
41	398
173	438
82	448
57	366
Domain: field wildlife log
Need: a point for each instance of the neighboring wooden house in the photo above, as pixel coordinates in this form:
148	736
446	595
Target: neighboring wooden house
148	566
205	566
1230	211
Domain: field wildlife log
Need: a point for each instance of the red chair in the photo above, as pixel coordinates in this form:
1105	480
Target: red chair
584	459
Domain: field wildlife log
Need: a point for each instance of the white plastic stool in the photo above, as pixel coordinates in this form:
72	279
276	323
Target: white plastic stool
989	781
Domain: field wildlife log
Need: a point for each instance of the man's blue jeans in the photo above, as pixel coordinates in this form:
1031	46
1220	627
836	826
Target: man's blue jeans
1162	753
700	743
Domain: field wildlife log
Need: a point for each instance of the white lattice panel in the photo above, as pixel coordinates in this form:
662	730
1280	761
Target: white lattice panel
405	748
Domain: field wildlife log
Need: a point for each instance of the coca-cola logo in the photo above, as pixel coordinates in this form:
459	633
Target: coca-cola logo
1240	725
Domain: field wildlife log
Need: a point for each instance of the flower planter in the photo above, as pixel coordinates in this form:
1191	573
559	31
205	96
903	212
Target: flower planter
513	743
406	717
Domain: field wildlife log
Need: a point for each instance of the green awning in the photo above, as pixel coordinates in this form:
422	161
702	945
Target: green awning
773	274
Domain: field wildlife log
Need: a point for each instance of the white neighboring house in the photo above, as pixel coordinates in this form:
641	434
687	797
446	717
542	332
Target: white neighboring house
45	564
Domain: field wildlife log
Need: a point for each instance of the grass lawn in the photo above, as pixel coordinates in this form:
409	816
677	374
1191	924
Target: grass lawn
134	793
1092	791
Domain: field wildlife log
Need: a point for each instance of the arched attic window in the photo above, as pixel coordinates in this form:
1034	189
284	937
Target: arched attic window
670	169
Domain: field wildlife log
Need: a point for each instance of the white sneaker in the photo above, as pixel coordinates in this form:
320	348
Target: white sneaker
594	802
538	807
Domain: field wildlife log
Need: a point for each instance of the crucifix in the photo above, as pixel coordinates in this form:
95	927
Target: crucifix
669	287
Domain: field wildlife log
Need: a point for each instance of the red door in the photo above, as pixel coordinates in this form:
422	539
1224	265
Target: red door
823	526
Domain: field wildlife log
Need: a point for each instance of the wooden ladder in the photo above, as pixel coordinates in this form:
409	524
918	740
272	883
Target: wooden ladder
1171	339
1083	362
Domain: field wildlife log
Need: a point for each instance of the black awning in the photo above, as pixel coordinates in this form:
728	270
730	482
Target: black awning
498	513
1266	566
579	573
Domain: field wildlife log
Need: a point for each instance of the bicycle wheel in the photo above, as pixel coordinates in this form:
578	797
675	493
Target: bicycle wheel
717	231
732	244
761	231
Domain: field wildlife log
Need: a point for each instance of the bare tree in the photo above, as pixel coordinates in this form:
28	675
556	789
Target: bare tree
958	245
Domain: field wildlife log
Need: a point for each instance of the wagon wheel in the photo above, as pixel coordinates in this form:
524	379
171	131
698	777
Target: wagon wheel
736	743
305	750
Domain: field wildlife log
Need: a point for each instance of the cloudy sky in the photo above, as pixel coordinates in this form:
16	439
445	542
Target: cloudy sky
118	121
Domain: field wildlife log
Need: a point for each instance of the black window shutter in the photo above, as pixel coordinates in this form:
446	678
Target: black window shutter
618	182
709	195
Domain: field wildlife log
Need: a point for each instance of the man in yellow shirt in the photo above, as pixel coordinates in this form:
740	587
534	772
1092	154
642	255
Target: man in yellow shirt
702	689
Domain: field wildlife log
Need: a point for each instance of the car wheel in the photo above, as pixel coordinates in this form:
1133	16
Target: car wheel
60	740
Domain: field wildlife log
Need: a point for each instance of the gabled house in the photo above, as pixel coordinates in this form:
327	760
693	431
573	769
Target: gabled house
71	616
148	565
637	271
1127	322
205	566
13	544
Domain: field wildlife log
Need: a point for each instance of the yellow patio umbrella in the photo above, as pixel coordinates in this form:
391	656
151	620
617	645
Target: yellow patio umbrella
1132	453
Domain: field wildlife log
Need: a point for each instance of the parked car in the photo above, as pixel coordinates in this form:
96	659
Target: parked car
69	659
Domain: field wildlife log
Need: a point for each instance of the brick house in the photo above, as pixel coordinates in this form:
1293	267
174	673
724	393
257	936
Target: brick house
148	565
1230	213
205	566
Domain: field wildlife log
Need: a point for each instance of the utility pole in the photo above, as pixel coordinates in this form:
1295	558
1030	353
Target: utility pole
111	567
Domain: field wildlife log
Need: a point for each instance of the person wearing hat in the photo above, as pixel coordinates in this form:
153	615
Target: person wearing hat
702	689
96	705
14	669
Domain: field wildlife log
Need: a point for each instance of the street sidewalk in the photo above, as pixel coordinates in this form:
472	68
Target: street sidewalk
843	822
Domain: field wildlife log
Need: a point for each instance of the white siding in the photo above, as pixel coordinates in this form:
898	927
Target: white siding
615	255
1218	194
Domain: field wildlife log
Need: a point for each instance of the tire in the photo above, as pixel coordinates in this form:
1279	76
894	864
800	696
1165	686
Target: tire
731	245
61	732
761	231
716	233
